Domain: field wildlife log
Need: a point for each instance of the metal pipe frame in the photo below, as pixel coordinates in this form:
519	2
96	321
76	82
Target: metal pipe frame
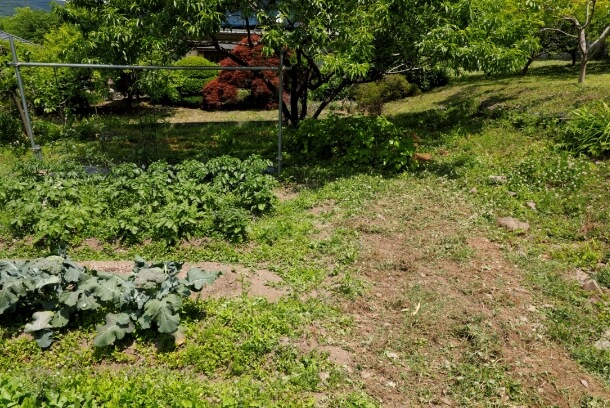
28	122
16	64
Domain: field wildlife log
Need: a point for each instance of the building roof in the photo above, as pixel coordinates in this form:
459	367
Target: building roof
5	36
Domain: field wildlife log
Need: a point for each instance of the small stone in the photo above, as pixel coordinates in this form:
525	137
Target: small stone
324	375
391	384
602	344
584	383
513	225
498	179
532	308
532	205
582	276
445	401
366	375
540	390
512	194
473	190
591	285
391	355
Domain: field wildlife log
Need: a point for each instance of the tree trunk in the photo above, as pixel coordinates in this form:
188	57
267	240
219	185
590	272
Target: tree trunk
583	69
574	54
527	66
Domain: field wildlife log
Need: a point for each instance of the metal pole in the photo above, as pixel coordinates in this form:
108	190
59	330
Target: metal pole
28	123
280	114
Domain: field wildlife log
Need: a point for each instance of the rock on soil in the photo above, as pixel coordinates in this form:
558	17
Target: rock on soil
513	224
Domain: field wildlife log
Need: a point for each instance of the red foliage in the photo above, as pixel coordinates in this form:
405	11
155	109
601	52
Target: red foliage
222	91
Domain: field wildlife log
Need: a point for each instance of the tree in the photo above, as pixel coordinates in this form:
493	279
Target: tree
585	17
30	24
554	41
587	49
323	42
226	89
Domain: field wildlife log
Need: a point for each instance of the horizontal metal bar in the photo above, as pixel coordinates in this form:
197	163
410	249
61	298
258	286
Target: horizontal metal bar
143	67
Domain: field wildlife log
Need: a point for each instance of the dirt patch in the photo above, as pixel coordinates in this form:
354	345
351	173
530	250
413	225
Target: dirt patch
92	244
234	281
286	194
431	315
325	207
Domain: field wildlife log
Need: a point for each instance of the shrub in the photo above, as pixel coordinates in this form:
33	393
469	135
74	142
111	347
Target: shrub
10	128
428	78
357	140
178	88
371	96
589	131
229	88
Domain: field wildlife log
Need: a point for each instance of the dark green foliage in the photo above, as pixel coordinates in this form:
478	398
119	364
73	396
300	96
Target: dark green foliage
30	24
371	96
588	132
181	88
357	140
56	289
10	128
163	203
428	78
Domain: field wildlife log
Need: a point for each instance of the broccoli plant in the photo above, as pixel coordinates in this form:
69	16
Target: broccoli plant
57	288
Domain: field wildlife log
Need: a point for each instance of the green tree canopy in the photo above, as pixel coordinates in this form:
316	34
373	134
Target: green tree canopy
30	24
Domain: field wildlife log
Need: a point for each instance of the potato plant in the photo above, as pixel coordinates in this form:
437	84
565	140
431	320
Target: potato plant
57	289
162	203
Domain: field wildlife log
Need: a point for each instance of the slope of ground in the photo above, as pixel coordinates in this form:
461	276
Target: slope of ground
366	290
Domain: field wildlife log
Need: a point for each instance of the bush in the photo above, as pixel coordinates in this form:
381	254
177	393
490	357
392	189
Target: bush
183	88
358	140
371	96
164	203
428	78
10	128
589	131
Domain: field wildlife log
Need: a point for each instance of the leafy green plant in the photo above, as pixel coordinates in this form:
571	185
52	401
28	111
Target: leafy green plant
57	288
59	206
588	132
356	140
10	128
371	96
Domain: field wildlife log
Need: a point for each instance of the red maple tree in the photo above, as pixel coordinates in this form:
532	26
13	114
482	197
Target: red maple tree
224	91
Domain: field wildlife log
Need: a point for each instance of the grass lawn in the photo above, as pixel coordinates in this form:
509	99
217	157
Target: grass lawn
364	289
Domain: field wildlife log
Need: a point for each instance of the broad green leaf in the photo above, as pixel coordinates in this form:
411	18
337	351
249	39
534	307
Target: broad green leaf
197	278
70	298
41	322
109	290
163	313
117	325
10	292
89	285
51	280
61	318
44	338
87	302
9	267
72	274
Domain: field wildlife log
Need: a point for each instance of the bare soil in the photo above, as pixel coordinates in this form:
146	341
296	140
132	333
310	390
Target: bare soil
411	327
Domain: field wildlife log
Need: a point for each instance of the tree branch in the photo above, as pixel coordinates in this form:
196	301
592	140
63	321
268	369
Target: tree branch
601	38
559	31
574	21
